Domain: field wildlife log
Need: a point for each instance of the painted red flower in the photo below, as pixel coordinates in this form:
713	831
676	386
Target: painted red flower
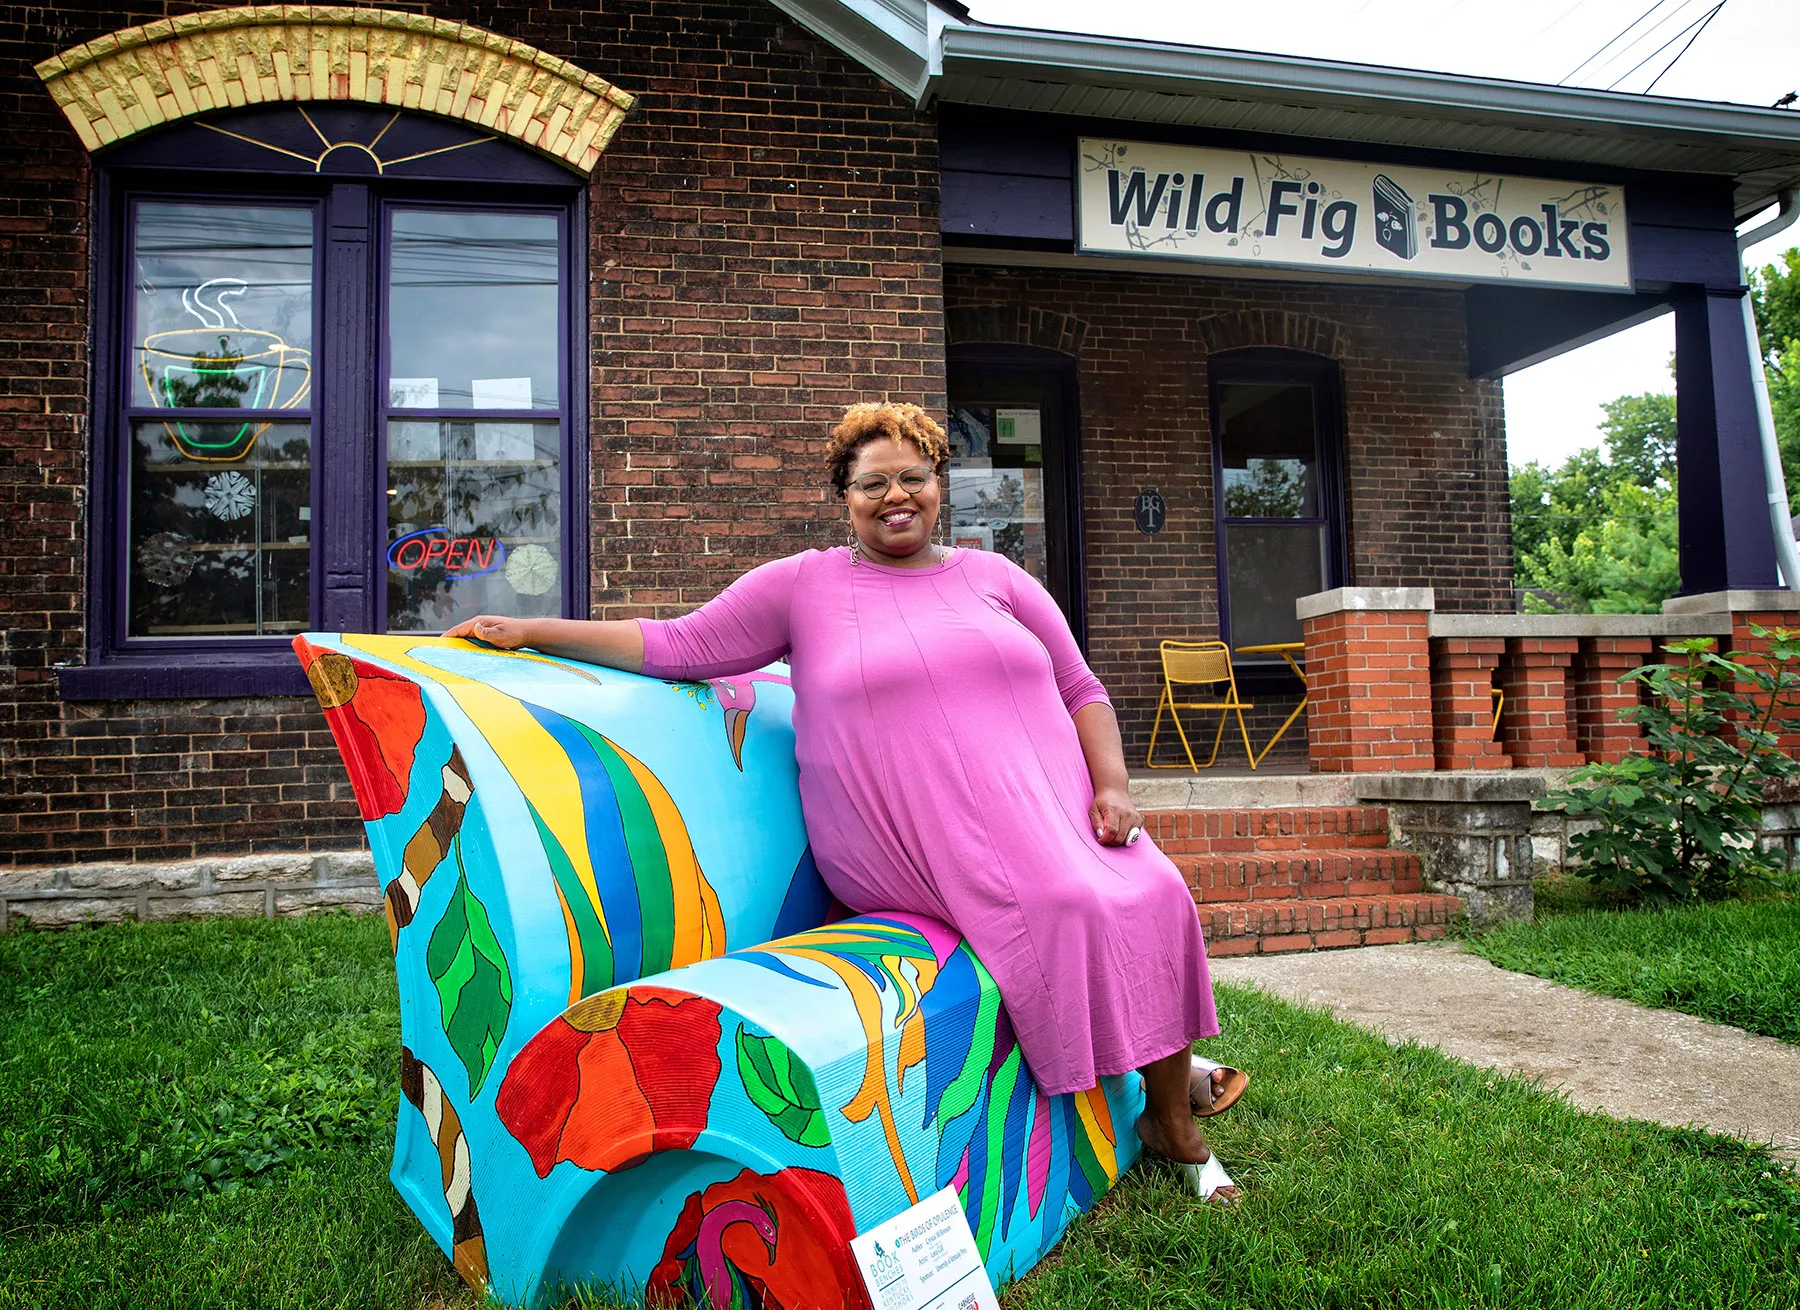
615	1077
377	718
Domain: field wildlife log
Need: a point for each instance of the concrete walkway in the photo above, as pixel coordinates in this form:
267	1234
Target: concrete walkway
1608	1055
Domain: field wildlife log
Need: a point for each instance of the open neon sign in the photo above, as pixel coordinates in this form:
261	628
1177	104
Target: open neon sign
459	557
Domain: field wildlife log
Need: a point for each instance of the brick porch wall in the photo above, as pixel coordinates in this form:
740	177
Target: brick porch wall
764	251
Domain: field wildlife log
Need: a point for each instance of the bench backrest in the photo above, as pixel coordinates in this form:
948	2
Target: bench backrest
545	829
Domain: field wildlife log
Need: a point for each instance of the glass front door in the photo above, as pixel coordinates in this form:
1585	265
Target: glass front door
1275	464
1013	480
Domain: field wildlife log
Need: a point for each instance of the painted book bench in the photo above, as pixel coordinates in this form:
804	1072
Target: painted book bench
635	1053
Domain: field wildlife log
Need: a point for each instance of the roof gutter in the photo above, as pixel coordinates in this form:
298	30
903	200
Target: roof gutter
1781	519
1063	57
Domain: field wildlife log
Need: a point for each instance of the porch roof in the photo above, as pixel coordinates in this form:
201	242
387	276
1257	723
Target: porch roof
935	52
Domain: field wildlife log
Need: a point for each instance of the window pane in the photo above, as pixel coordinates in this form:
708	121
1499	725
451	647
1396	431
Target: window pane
1270	566
1269	451
474	522
472	311
222	301
220	548
997	485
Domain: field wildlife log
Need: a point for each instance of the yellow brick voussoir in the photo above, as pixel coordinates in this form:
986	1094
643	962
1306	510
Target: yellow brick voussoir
137	78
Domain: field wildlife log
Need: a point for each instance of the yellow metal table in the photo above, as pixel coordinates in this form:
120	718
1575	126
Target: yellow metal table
1287	650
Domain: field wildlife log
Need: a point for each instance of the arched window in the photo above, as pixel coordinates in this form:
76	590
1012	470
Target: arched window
338	384
1278	477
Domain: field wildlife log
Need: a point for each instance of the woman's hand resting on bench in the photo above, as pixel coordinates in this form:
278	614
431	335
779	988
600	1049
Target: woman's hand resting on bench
613	644
495	630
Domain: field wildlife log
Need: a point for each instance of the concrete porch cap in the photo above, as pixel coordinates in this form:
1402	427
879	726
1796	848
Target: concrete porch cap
1698	624
1373	599
1734	602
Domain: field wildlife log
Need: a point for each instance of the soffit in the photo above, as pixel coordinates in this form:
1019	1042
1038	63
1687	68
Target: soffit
935	53
1060	73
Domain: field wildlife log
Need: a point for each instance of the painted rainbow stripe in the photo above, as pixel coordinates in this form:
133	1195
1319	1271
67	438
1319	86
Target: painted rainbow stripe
634	899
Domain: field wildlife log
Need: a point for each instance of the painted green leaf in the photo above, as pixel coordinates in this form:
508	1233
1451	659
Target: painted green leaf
473	982
782	1088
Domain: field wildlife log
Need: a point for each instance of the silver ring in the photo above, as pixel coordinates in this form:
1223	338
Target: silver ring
1132	836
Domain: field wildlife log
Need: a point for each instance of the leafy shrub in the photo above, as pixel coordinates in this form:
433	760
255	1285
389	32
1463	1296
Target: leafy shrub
1679	820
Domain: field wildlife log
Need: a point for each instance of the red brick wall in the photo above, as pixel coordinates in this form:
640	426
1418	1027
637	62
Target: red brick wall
764	251
1369	678
43	433
775	259
1752	650
1424	459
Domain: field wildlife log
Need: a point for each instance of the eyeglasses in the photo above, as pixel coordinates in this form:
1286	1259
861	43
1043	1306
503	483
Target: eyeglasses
912	481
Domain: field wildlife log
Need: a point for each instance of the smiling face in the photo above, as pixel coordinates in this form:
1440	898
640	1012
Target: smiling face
896	527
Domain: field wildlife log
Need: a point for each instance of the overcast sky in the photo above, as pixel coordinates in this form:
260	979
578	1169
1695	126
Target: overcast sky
1749	53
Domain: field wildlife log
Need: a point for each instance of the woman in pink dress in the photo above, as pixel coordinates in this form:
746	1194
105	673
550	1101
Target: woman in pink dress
959	760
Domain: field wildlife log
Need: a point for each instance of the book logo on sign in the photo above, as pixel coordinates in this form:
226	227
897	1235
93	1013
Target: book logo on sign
1394	230
887	1264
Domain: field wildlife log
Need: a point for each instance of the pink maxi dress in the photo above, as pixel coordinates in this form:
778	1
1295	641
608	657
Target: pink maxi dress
940	774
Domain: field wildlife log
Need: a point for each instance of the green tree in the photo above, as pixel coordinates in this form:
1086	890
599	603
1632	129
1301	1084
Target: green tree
1625	563
1640	438
1775	295
1555	504
1599	533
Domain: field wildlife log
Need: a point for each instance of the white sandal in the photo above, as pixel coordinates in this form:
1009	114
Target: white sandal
1208	1178
1237	1082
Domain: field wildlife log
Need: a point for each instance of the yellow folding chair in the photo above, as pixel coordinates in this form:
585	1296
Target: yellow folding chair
1198	664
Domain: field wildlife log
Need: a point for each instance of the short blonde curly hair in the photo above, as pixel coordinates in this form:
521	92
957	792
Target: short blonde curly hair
873	421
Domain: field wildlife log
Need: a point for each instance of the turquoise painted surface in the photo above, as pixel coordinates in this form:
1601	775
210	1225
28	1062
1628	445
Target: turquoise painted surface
635	1053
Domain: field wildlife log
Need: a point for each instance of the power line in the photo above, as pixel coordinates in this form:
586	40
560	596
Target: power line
1684	49
1610	40
1699	23
1678	17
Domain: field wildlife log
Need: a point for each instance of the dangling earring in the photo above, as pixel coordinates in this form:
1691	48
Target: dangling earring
855	549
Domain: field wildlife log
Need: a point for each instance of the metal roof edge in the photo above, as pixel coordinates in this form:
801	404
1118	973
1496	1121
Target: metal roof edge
897	40
1242	75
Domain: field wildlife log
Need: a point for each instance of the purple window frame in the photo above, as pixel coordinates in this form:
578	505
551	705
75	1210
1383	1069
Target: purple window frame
384	220
1279	366
348	583
148	650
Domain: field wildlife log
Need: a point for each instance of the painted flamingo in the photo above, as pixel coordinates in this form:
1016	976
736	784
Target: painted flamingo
737	697
717	1276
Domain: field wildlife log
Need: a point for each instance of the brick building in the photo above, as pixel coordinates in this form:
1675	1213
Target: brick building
369	318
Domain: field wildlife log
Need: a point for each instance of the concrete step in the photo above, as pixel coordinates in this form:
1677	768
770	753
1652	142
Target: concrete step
1256	831
1300	875
1268	927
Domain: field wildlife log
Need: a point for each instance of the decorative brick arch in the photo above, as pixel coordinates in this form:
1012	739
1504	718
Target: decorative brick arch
142	77
1014	325
1271	327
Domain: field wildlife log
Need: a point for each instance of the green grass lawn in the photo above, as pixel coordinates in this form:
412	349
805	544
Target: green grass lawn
199	1115
1735	962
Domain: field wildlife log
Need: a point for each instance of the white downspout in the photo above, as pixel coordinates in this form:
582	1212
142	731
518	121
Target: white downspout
1787	554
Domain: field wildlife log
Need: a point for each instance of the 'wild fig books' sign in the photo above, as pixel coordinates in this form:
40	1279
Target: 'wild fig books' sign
1180	202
